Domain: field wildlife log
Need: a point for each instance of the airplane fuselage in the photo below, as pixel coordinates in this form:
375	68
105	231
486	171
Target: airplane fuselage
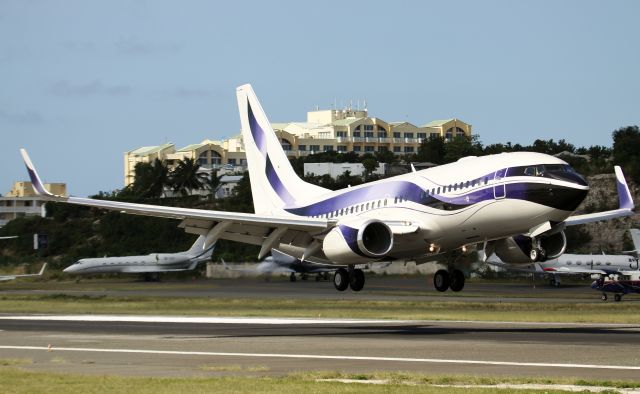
473	200
156	262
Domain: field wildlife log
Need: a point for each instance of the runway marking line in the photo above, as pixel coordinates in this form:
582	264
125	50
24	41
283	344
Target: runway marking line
325	357
282	320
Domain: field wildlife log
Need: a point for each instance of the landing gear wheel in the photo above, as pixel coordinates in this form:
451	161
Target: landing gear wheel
318	277
617	297
441	280
304	276
356	280
537	254
604	297
292	277
341	279
457	280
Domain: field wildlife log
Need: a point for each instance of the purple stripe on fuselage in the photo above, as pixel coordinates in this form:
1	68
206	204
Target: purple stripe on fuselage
351	237
276	183
257	133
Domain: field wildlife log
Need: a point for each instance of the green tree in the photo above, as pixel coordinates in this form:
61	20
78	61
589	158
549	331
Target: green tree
150	179
626	142
431	150
186	178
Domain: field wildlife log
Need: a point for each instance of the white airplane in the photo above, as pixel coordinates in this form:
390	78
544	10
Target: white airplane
149	265
578	264
10	237
282	263
4	278
415	216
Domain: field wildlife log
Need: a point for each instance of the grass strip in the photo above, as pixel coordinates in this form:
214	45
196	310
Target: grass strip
20	381
354	309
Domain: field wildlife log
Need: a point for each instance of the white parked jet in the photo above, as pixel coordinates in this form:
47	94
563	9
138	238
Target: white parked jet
578	264
415	216
282	263
4	278
154	263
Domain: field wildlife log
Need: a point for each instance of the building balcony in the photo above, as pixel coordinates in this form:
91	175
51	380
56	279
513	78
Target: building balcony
358	139
398	140
384	140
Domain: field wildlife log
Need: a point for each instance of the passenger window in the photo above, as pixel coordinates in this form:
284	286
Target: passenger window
385	202
486	180
608	263
367	207
378	203
467	184
455	187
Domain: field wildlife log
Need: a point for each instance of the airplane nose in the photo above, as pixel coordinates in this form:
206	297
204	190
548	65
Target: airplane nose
70	269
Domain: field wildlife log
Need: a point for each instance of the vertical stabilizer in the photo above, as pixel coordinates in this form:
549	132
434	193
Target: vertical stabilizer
197	249
274	183
635	237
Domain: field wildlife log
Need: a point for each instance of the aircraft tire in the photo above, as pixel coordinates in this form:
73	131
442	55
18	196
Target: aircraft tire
457	280
292	277
356	280
617	297
341	279
441	280
604	297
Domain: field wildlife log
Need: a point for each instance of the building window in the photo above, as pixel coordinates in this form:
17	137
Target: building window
368	134
422	136
368	127
397	149
356	134
232	161
341	133
382	134
382	129
369	148
382	149
314	148
408	149
286	145
357	148
408	135
396	134
207	158
448	135
302	147
341	148
434	135
328	148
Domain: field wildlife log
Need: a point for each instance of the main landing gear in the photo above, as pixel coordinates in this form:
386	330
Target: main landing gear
444	280
353	278
616	297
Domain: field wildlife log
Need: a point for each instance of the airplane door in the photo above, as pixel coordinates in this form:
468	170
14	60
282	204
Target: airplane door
499	186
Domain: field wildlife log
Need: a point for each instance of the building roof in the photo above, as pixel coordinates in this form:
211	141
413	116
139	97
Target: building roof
437	123
279	126
346	122
147	150
190	147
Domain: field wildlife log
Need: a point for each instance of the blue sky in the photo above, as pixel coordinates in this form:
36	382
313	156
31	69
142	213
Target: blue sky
81	82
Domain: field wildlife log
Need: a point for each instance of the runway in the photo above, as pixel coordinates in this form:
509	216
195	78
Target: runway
169	346
383	288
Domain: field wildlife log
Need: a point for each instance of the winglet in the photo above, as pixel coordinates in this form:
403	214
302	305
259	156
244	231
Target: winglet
624	195
44	266
38	186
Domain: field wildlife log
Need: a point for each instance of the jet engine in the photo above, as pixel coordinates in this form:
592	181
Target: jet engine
523	250
358	241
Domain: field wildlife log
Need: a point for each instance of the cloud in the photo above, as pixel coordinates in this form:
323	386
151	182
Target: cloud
27	117
133	46
93	88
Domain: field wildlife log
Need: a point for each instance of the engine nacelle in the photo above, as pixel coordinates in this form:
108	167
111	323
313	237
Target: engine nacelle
517	250
358	241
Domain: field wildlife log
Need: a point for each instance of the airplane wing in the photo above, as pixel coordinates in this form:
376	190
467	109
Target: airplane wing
265	230
625	202
11	237
11	277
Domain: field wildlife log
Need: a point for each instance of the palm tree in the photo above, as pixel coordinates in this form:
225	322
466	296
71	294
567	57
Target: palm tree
185	177
150	179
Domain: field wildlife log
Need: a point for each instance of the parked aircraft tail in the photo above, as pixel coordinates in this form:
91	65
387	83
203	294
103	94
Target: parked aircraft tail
635	237
274	183
197	249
